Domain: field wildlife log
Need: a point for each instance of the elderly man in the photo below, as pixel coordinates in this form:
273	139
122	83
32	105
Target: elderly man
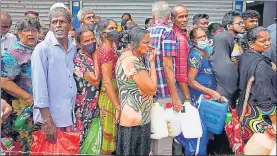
164	39
86	16
7	39
54	88
179	18
56	5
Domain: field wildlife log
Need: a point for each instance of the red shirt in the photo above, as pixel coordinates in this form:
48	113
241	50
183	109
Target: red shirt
182	55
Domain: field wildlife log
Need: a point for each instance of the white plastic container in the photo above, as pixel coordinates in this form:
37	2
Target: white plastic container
259	144
158	123
173	121
191	122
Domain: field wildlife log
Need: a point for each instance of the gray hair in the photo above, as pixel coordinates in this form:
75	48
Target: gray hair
160	9
101	26
252	34
81	31
229	17
82	12
197	17
7	15
28	22
172	10
60	11
136	36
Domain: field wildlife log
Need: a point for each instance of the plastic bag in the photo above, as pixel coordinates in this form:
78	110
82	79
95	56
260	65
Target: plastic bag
158	123
93	141
67	143
191	122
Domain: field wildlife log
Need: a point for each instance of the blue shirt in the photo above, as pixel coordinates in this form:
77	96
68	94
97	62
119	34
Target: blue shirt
205	75
53	84
272	53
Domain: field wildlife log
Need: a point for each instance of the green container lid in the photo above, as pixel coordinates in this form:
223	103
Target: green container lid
229	117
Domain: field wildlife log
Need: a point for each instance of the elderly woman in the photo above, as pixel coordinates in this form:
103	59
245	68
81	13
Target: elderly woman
86	74
260	100
108	97
16	73
200	74
136	88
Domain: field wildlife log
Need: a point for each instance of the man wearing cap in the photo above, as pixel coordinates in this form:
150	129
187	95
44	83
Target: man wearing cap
56	5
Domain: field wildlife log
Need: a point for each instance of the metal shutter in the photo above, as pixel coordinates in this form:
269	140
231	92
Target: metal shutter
17	9
142	9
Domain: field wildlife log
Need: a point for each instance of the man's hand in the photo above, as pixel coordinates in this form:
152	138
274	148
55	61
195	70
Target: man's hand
177	104
50	130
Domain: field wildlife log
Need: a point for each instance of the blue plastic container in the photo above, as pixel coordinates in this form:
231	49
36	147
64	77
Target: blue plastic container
190	144
213	114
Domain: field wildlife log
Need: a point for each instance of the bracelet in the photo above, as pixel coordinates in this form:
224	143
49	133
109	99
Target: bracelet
117	107
186	100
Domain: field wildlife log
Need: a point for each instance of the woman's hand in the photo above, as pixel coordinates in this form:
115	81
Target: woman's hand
6	110
153	52
28	100
117	115
216	96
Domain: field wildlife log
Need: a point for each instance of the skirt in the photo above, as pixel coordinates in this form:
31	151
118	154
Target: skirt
256	120
134	140
107	117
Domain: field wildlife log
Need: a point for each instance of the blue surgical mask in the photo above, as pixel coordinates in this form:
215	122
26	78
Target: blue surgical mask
206	46
209	50
202	44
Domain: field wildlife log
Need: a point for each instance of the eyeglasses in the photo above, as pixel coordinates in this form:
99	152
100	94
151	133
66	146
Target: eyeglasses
239	23
32	30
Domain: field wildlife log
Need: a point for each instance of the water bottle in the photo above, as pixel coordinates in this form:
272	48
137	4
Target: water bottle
7	143
21	120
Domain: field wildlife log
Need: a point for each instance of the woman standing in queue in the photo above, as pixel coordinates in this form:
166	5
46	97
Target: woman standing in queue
108	97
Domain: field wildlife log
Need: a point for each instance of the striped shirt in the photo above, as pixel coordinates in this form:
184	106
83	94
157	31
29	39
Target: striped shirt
164	40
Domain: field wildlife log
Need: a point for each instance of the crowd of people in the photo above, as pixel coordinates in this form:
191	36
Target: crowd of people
115	73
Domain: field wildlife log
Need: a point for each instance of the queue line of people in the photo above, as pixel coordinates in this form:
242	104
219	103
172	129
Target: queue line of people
70	85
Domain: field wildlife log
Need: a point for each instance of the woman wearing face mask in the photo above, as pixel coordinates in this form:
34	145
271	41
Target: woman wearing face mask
108	98
200	74
86	75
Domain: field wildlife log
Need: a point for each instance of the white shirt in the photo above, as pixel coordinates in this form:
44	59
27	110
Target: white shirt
7	41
